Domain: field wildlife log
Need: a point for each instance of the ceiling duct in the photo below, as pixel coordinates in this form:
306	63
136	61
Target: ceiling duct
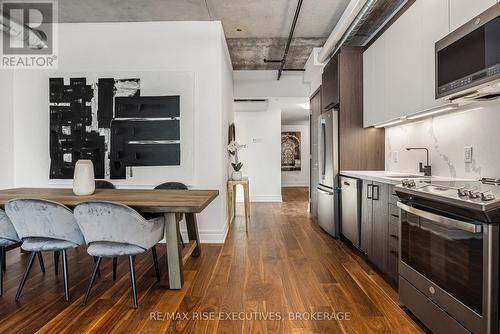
349	16
357	23
250	105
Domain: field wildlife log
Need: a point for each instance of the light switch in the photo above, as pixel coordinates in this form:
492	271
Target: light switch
256	140
395	156
468	154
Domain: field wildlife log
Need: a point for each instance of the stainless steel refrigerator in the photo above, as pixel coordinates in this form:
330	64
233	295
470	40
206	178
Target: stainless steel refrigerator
328	188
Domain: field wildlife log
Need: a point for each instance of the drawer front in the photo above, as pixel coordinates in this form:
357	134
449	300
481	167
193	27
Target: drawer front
393	198
393	242
393	211
392	264
394	232
431	315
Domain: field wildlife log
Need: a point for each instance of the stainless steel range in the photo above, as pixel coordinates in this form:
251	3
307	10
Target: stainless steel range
449	254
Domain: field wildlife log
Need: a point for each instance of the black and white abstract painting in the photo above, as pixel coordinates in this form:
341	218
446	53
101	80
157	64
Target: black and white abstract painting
108	121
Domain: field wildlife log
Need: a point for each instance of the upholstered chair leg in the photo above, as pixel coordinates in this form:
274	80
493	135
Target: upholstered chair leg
98	271
3	257
66	275
40	259
2	261
26	273
56	261
92	280
132	279
155	260
115	264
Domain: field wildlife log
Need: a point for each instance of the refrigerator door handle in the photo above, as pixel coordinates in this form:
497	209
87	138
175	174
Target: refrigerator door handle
325	192
369	191
323	151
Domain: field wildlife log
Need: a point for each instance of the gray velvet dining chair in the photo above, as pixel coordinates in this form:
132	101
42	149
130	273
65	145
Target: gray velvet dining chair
103	184
8	237
44	226
114	230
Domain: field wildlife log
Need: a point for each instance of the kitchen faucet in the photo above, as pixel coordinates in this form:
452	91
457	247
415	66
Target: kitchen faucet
423	169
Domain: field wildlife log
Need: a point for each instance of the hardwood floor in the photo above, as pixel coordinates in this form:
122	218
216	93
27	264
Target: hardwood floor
285	264
295	194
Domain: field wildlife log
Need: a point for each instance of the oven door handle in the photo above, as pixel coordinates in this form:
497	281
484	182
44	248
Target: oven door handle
441	220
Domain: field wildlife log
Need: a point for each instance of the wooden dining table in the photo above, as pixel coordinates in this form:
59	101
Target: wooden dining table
167	202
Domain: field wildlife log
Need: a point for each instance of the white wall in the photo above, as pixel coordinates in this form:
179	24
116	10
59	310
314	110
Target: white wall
261	132
445	136
262	158
6	130
227	113
298	178
264	84
195	47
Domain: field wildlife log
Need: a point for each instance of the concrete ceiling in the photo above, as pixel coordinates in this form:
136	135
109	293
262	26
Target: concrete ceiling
255	29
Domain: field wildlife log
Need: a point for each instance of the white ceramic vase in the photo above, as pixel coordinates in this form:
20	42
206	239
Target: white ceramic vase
83	180
236	175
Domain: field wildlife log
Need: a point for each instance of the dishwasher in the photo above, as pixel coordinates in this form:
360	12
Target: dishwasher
350	210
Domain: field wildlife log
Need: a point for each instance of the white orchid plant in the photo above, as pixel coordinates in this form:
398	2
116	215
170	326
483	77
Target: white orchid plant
233	149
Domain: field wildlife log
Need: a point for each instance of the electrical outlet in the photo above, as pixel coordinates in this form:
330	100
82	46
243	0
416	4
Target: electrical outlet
468	154
395	156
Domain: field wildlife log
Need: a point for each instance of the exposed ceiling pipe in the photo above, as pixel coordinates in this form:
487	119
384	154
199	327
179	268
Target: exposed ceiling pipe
290	36
282	61
346	20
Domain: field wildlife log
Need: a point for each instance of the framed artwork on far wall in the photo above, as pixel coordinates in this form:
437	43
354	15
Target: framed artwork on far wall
290	151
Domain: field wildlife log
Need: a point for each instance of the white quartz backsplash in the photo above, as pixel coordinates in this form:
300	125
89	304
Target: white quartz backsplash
445	136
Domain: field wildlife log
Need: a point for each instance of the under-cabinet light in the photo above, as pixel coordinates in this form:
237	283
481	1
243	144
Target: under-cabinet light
434	111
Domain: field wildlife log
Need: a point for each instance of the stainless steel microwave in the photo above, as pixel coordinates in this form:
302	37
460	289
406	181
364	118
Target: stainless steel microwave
468	59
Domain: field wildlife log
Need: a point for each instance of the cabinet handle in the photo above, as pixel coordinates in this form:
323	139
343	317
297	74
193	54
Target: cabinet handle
376	198
394	236
393	252
395	216
369	191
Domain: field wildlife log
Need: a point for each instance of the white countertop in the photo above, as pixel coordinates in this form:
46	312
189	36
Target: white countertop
393	177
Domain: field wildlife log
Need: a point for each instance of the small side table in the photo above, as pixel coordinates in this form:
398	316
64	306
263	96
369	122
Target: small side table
231	199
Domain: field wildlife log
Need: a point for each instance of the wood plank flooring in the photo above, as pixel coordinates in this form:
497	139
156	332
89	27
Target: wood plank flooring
286	269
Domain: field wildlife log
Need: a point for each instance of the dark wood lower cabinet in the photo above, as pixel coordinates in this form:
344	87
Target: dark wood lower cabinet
379	227
366	217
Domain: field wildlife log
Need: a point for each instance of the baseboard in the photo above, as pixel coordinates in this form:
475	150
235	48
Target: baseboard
214	236
207	236
266	198
210	236
291	185
261	199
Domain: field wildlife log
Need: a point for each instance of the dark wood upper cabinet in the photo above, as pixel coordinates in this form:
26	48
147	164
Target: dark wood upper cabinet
342	88
330	94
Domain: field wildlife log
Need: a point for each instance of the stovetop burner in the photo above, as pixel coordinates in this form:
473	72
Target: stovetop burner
483	195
